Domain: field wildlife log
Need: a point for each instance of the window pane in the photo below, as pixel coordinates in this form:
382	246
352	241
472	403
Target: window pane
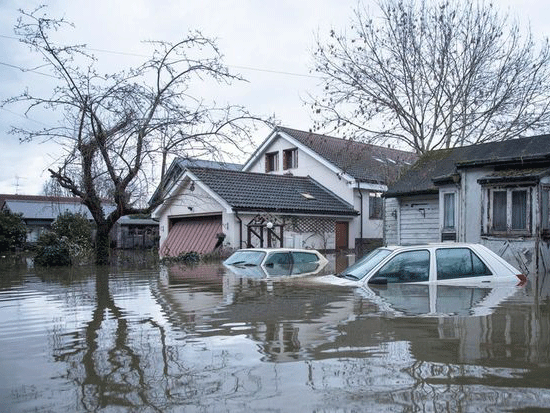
375	207
544	209
457	263
278	258
407	267
300	257
519	209
449	210
499	210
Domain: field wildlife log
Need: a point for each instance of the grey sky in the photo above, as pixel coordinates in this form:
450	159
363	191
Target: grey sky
268	42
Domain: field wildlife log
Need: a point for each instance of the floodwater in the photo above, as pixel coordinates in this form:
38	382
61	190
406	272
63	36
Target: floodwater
200	339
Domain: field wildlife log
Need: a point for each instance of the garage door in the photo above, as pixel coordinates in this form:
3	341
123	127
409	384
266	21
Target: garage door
194	234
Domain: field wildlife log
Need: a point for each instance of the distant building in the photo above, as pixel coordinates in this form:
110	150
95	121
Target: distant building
39	212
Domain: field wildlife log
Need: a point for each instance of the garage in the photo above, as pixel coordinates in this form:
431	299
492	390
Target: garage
198	234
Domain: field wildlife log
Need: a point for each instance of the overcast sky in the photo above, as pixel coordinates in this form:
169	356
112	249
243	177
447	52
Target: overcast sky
268	42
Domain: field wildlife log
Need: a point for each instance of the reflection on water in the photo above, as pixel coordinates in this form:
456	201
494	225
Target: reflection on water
203	339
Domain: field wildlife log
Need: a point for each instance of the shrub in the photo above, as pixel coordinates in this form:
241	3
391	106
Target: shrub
13	231
70	240
75	227
52	251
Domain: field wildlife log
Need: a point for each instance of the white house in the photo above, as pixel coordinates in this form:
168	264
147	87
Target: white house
356	172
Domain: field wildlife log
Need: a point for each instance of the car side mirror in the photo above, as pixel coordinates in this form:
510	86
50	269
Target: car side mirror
378	281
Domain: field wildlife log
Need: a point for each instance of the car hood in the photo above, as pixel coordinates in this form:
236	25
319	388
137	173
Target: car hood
334	280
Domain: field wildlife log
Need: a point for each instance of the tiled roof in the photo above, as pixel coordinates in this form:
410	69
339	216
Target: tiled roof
277	193
365	162
444	163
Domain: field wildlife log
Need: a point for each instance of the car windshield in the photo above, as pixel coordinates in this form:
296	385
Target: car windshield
245	258
358	270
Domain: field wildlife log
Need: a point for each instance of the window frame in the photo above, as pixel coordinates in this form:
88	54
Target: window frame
292	155
271	161
490	205
472	257
372	211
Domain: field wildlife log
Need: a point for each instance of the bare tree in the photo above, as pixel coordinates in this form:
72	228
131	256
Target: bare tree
433	74
118	129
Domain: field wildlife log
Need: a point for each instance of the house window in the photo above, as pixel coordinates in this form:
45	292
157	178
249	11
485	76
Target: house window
272	161
375	206
510	211
290	158
449	210
545	210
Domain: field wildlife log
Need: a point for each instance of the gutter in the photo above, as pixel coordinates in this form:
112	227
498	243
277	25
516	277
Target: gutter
361	209
240	227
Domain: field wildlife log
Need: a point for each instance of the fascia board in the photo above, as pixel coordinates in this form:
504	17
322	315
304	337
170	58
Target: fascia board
372	187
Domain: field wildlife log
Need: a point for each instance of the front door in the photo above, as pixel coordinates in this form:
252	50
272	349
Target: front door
342	235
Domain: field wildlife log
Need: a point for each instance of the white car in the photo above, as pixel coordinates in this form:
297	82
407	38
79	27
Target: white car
442	264
270	262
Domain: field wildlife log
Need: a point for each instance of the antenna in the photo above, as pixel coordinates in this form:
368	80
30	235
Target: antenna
17	184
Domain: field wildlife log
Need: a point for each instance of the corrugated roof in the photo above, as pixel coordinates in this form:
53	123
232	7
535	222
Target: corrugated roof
365	162
45	209
278	193
444	162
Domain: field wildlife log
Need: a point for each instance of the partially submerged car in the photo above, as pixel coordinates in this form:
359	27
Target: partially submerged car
445	263
275	262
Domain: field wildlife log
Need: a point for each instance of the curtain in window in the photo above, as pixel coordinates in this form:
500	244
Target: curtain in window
449	210
519	209
499	210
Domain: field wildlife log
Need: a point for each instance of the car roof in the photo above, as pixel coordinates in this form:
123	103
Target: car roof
279	250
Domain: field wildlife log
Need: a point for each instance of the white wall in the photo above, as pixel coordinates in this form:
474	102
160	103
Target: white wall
200	202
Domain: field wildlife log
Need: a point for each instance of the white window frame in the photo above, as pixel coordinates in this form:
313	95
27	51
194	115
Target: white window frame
489	210
442	227
275	156
293	154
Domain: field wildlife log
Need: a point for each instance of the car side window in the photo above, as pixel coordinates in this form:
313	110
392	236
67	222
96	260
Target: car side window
303	257
409	266
458	263
278	258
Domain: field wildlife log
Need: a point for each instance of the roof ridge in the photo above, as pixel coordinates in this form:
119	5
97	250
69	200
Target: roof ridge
370	145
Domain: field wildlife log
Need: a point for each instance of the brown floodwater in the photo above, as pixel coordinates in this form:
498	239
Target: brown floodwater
145	338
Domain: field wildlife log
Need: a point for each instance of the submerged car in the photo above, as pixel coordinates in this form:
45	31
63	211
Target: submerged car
270	262
445	263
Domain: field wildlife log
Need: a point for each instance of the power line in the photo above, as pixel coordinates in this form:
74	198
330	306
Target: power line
120	53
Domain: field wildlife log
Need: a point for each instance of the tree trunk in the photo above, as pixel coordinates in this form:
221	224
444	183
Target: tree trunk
102	247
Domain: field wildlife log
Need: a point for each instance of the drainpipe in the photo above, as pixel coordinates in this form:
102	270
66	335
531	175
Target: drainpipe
240	228
361	208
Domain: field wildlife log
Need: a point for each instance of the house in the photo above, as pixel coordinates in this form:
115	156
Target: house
354	171
39	212
495	193
212	207
280	185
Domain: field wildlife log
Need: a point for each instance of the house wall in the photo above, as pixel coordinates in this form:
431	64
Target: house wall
415	221
200	202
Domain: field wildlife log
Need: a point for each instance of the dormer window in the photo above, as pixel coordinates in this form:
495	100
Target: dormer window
290	158
272	161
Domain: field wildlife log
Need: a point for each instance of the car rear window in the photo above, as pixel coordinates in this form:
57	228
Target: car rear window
303	257
459	263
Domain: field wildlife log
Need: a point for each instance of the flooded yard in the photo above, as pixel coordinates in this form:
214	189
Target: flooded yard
145	338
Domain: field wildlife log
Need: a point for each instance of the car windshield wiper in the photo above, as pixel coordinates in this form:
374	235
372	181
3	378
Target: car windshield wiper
236	262
353	277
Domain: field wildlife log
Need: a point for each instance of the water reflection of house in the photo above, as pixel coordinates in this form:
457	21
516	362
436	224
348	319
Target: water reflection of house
497	194
295	180
285	318
39	212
